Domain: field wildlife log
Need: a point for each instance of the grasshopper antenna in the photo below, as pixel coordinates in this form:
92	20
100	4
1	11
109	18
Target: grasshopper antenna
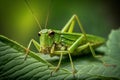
28	4
46	22
48	12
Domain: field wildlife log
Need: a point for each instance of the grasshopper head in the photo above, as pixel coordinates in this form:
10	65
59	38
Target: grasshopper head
46	40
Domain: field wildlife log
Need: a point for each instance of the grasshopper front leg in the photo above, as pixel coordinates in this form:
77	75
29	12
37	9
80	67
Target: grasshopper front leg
36	44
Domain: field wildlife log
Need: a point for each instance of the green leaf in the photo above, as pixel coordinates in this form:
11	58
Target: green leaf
38	66
113	45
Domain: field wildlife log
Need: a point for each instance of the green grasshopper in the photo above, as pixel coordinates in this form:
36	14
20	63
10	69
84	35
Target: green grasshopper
66	42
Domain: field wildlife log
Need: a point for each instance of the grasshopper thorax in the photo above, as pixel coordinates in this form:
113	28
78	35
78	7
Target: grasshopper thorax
46	40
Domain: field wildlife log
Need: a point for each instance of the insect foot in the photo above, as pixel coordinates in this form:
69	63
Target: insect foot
55	70
26	51
74	72
109	65
98	56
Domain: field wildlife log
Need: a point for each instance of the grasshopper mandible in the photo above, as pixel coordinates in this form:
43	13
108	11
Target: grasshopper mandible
65	42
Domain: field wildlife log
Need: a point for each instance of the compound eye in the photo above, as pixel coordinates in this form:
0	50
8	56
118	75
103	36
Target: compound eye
39	34
51	33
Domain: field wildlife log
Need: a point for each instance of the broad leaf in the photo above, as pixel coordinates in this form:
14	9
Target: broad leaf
38	66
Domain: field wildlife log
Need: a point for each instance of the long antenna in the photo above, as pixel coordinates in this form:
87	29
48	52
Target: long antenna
28	4
46	22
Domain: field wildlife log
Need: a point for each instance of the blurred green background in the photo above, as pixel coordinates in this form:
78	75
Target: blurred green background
98	17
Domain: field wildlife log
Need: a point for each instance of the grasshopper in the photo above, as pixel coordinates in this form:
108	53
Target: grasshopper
66	42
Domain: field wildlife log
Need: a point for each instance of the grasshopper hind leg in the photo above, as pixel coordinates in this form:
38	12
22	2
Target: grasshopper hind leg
99	56
88	45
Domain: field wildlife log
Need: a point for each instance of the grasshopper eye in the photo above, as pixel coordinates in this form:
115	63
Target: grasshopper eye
39	34
51	33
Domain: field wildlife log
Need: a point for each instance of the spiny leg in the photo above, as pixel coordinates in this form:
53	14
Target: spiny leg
70	25
76	44
93	52
36	44
72	65
84	46
79	49
52	52
65	53
98	56
58	66
71	49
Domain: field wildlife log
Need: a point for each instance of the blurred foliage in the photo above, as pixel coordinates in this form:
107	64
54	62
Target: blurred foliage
17	22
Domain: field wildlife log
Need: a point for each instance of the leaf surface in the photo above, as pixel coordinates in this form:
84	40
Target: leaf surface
38	66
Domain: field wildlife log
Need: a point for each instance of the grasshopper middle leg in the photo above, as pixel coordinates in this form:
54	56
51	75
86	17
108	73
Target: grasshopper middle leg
70	50
58	66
